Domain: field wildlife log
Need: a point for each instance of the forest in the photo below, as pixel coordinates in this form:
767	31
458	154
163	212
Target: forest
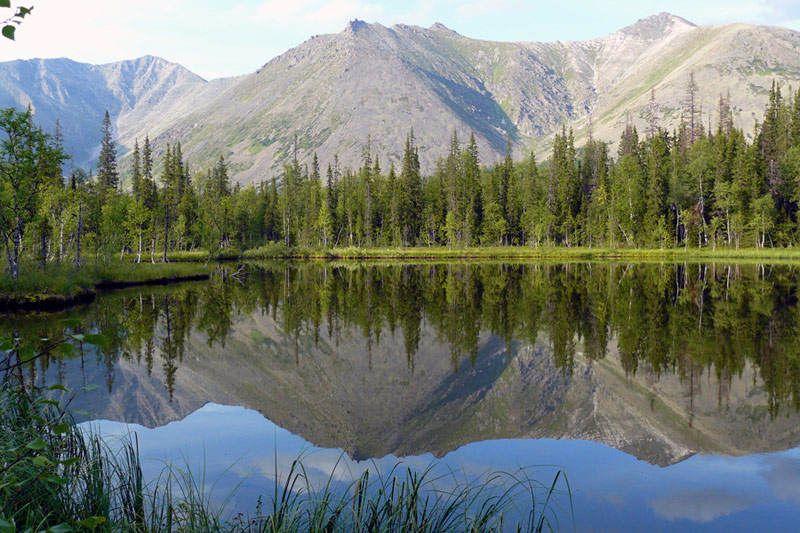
704	186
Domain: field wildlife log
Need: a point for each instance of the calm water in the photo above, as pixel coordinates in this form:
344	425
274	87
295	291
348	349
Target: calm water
669	394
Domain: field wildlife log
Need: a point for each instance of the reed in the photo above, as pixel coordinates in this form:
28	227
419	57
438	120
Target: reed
55	476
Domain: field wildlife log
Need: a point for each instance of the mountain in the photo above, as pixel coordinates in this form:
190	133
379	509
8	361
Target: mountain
369	83
363	395
140	95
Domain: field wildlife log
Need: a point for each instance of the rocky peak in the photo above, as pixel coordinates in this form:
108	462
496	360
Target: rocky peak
438	26
354	26
658	26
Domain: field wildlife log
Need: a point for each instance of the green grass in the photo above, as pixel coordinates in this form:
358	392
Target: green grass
42	282
56	477
64	282
203	255
280	251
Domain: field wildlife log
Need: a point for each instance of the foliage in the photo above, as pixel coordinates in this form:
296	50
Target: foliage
10	24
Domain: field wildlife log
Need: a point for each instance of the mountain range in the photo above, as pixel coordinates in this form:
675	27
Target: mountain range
370	84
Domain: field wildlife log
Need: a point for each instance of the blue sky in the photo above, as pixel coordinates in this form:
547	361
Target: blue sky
221	38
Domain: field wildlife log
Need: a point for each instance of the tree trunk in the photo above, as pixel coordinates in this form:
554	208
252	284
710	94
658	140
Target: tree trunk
61	243
43	249
17	244
166	237
78	237
7	246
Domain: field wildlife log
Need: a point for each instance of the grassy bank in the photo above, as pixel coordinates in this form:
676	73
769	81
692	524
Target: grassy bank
57	286
55	477
280	251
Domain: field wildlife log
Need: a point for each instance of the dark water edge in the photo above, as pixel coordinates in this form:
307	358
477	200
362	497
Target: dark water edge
677	367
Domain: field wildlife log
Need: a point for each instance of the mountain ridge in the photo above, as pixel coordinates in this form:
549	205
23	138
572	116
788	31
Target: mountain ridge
334	91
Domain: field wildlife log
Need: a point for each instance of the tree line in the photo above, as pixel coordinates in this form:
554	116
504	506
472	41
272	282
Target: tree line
697	186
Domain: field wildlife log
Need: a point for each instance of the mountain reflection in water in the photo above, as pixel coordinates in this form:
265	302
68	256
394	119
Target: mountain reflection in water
661	361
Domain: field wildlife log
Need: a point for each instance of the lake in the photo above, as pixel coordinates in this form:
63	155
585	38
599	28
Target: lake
667	393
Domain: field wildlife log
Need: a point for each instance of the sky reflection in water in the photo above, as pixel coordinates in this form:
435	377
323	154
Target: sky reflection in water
611	489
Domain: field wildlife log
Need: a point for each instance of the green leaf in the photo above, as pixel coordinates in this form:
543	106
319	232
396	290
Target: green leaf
58	480
78	336
41	461
65	349
61	429
80	412
8	32
5	3
97	340
71	323
37	444
89	388
6	344
92	522
5	525
27	352
71	461
54	403
60	528
58	386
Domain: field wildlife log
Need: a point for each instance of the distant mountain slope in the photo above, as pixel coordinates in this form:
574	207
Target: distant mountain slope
335	91
139	94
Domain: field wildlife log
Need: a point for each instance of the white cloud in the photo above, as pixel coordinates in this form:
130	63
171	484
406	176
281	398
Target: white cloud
340	11
781	10
281	11
783	477
701	506
481	8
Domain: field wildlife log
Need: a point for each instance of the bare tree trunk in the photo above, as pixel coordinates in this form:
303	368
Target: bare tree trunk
17	244
61	243
166	237
43	249
78	237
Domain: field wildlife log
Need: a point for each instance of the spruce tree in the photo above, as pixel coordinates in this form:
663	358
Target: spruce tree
136	175
411	200
107	163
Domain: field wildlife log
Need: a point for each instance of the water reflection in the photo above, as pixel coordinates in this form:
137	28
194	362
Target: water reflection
612	491
660	361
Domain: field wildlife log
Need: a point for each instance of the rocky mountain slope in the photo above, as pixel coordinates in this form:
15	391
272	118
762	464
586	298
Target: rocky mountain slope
361	395
334	92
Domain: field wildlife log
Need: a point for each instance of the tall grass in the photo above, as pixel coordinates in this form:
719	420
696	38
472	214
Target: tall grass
43	283
54	475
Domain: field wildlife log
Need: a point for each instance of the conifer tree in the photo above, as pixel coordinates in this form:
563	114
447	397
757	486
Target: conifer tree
107	163
411	198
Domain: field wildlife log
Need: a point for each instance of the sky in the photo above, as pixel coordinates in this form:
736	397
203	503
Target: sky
216	38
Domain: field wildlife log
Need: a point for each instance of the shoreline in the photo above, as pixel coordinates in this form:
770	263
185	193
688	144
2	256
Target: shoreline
523	253
49	299
33	302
